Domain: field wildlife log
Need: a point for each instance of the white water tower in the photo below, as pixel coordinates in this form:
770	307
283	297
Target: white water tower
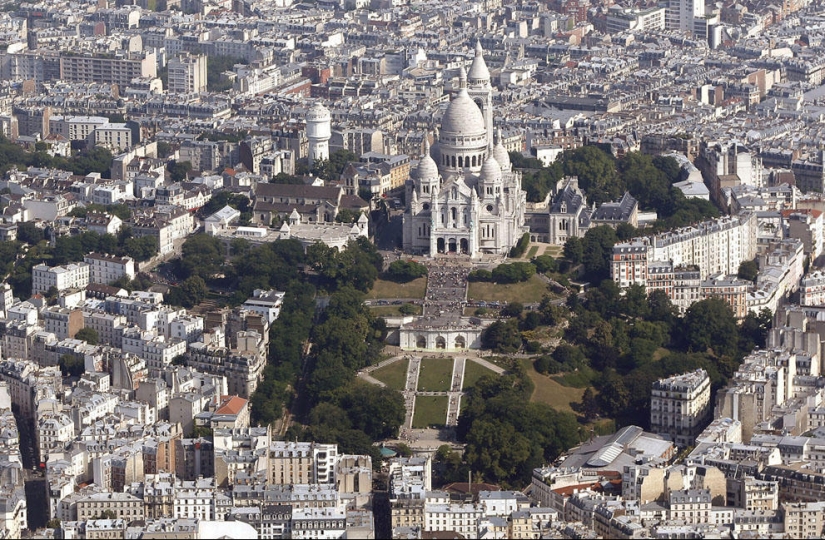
319	131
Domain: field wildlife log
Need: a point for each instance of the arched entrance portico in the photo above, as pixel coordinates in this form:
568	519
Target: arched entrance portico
460	343
465	246
452	245
420	342
439	245
440	343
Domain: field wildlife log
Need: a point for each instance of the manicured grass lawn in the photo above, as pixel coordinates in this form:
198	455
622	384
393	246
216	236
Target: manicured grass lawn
550	392
532	252
391	311
391	289
435	375
576	379
527	292
473	371
393	375
429	411
553	251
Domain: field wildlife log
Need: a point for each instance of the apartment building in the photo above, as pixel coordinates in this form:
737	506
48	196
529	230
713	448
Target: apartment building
713	246
117	69
116	137
302	463
71	276
122	505
76	128
803	519
187	74
62	322
680	406
105	269
812	289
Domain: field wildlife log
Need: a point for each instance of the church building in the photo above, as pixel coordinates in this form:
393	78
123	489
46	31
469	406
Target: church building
464	197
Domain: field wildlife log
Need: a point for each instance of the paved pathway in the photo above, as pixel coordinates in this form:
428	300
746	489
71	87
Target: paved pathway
370	379
410	389
455	393
489	365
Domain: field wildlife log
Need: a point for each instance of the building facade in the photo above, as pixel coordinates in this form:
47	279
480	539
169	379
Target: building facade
464	197
680	406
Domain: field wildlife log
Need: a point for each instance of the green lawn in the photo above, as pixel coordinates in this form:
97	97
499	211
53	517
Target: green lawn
551	392
473	371
393	375
429	411
554	251
391	311
532	252
391	289
435	375
527	292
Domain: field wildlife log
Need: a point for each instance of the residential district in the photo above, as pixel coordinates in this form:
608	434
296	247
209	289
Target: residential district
457	137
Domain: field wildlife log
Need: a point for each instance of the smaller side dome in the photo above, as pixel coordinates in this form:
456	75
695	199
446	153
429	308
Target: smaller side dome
427	168
491	170
500	153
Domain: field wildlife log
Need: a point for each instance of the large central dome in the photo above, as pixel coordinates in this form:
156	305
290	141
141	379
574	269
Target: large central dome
463	117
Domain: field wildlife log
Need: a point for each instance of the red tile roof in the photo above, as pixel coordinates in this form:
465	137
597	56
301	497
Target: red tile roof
231	405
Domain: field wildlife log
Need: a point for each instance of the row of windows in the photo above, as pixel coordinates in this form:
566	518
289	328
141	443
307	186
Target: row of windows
463	161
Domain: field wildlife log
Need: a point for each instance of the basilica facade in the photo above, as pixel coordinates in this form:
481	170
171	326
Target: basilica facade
464	197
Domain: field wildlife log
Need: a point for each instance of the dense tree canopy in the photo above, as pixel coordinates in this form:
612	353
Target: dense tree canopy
404	271
202	255
710	325
506	435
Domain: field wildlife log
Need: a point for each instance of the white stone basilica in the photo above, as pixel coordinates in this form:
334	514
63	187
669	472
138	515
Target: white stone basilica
464	196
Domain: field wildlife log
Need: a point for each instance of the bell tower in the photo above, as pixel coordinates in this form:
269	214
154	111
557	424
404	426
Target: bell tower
481	90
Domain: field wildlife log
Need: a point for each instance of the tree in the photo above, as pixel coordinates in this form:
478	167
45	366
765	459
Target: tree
661	308
513	309
502	337
748	270
405	271
194	290
710	324
545	263
634	303
521	246
215	66
530	321
589	404
407	309
377	411
613	394
202	255
596	171
53	524
29	233
598	245
345	215
178	169
164	149
574	249
513	272
88	334
480	275
71	365
753	332
284	178
142	248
